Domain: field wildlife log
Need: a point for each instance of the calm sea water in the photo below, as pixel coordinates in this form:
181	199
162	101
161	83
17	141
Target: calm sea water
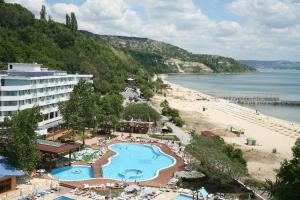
284	84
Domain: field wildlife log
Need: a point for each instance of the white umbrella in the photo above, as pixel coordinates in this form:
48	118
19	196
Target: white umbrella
150	192
132	188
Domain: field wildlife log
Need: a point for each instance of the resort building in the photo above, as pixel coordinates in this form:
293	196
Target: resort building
27	85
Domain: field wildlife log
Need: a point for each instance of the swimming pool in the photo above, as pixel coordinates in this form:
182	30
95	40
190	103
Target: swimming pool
136	162
63	198
73	173
183	197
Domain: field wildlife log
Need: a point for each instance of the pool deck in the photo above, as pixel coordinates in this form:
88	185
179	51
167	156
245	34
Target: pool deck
160	181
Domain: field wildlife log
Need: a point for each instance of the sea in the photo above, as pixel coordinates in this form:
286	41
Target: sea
278	83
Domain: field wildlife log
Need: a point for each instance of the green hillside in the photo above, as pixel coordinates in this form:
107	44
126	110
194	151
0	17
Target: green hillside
26	39
111	59
175	59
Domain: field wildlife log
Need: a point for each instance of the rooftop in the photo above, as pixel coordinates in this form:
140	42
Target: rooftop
8	170
56	147
29	70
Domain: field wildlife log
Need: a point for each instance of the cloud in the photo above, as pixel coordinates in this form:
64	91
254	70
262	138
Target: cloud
270	29
270	13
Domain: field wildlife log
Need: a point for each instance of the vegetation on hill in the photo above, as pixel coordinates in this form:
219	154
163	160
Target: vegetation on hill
287	183
172	113
140	111
162	57
219	161
58	46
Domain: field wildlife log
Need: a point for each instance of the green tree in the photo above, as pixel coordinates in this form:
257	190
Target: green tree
141	111
80	111
109	110
74	25
68	21
43	13
287	183
213	159
21	147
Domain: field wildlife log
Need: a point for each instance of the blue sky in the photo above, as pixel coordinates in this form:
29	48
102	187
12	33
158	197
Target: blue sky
242	29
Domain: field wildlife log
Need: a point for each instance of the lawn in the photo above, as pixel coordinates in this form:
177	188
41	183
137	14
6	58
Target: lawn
165	137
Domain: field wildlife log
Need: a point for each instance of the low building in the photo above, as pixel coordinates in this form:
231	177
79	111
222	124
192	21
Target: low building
27	85
8	176
137	127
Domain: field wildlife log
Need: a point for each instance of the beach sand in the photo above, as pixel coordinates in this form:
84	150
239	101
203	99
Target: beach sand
269	132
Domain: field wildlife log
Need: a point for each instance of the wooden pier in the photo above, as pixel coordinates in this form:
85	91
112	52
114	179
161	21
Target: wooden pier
262	100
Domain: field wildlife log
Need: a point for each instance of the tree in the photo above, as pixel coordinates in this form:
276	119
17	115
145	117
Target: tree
141	111
21	148
109	109
68	21
80	111
73	25
213	159
287	183
43	13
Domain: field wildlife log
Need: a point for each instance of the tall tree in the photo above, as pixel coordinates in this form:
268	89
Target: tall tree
74	25
21	147
80	111
43	13
287	183
109	109
68	21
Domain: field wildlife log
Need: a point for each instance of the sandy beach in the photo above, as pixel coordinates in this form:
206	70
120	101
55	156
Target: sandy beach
270	133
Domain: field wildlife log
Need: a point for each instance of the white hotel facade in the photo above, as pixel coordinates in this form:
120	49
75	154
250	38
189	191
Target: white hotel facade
27	85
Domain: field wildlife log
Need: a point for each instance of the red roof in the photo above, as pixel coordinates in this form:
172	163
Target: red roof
207	134
54	149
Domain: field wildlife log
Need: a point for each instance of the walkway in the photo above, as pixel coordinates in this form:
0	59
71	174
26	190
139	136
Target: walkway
183	136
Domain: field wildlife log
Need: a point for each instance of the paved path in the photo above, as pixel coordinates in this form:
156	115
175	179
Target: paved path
183	136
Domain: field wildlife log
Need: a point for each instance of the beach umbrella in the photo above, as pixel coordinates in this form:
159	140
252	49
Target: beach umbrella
132	188
150	192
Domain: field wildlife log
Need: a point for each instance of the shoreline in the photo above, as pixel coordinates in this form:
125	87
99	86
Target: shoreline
270	132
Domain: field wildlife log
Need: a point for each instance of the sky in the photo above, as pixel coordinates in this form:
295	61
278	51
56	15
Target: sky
242	29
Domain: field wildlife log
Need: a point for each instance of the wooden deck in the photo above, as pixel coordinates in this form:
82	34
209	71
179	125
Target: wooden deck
160	181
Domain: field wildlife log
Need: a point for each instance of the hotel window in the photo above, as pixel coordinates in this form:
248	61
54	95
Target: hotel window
9	103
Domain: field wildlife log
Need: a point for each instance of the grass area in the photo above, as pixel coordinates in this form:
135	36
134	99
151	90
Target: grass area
165	137
88	158
114	192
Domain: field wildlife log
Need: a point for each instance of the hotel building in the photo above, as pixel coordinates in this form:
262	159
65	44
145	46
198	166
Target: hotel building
27	85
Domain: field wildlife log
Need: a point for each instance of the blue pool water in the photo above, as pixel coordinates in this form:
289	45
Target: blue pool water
73	173
183	197
63	198
136	162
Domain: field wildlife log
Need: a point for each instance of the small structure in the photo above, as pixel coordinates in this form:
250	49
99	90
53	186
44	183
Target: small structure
202	193
137	127
8	176
237	130
131	94
188	175
251	141
54	152
131	82
165	129
208	134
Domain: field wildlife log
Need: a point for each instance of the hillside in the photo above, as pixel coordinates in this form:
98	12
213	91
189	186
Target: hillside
111	59
26	39
278	64
175	59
